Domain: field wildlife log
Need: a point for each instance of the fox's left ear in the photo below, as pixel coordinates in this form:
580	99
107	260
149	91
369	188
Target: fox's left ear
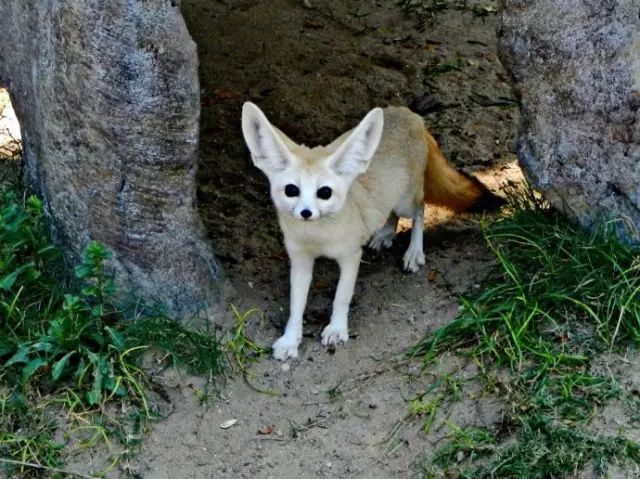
354	155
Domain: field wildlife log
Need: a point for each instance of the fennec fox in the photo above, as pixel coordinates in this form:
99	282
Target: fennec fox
332	199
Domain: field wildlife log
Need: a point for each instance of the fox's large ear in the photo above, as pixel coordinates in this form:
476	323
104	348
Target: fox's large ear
354	155
268	151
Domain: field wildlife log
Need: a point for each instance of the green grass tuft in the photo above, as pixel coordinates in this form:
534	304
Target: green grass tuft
243	349
468	442
559	287
198	351
562	295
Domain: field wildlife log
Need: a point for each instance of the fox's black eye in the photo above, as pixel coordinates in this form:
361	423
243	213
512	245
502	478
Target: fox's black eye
291	190
324	193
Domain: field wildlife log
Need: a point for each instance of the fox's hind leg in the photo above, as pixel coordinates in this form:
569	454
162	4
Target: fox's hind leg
385	235
414	256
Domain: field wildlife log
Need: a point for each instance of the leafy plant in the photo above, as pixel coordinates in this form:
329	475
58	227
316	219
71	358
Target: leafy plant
82	341
65	345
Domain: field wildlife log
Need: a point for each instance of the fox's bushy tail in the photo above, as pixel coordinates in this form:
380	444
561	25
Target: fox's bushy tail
453	189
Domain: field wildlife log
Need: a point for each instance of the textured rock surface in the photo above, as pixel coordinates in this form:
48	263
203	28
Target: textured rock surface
107	95
576	65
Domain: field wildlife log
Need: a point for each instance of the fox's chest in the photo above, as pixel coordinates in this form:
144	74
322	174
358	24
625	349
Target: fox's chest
331	239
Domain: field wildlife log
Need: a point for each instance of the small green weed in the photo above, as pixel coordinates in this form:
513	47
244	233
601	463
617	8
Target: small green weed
199	351
466	442
427	408
439	67
562	295
243	349
335	392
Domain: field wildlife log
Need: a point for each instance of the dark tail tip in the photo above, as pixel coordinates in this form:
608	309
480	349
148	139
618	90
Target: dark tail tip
488	201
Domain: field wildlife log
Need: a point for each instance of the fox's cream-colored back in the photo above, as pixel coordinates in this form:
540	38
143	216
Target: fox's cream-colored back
396	174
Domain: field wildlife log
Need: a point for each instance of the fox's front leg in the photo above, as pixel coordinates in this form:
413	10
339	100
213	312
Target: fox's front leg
301	271
338	331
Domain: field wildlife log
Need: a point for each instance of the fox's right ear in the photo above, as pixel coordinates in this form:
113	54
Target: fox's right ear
353	156
268	151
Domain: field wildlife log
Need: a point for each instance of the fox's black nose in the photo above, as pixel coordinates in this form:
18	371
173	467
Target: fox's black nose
306	214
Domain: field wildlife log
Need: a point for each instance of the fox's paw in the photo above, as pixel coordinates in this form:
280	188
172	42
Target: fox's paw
333	335
285	348
413	259
381	240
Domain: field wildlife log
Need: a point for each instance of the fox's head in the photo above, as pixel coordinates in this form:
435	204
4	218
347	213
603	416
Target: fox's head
310	183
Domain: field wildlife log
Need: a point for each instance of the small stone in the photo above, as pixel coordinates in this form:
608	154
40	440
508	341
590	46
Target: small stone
265	430
228	424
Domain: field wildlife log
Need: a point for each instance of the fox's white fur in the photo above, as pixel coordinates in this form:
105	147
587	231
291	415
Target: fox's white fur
376	174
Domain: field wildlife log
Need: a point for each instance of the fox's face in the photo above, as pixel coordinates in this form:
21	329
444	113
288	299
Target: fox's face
310	183
309	189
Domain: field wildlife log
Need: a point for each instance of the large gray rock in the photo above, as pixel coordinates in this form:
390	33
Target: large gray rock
107	95
576	65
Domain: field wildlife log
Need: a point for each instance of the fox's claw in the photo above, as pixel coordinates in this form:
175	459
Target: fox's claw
333	335
413	259
285	348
